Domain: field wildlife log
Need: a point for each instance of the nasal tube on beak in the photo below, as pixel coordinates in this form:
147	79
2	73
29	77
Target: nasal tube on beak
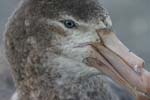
129	66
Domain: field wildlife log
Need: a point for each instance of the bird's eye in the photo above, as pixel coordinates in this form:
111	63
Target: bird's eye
69	23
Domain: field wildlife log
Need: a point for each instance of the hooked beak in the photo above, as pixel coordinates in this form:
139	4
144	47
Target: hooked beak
123	66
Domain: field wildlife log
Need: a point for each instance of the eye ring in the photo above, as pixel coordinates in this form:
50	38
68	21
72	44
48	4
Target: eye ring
69	23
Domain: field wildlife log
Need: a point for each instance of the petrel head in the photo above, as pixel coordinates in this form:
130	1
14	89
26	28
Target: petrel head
80	30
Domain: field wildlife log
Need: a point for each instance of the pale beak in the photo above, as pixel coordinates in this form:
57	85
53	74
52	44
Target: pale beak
123	66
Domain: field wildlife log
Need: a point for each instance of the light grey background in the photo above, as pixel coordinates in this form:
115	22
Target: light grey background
131	22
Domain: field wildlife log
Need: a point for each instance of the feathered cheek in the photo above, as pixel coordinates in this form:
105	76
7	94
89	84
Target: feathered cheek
77	53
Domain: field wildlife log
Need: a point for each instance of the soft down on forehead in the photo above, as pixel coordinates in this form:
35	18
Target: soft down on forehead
81	9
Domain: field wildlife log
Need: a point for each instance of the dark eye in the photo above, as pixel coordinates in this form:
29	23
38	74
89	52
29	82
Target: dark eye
69	23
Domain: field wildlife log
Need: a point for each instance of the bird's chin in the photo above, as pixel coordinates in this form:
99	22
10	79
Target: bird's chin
122	66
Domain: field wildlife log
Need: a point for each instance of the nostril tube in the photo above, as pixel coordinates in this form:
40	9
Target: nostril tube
103	31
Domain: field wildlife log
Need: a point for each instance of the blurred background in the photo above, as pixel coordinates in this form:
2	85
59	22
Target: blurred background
131	22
